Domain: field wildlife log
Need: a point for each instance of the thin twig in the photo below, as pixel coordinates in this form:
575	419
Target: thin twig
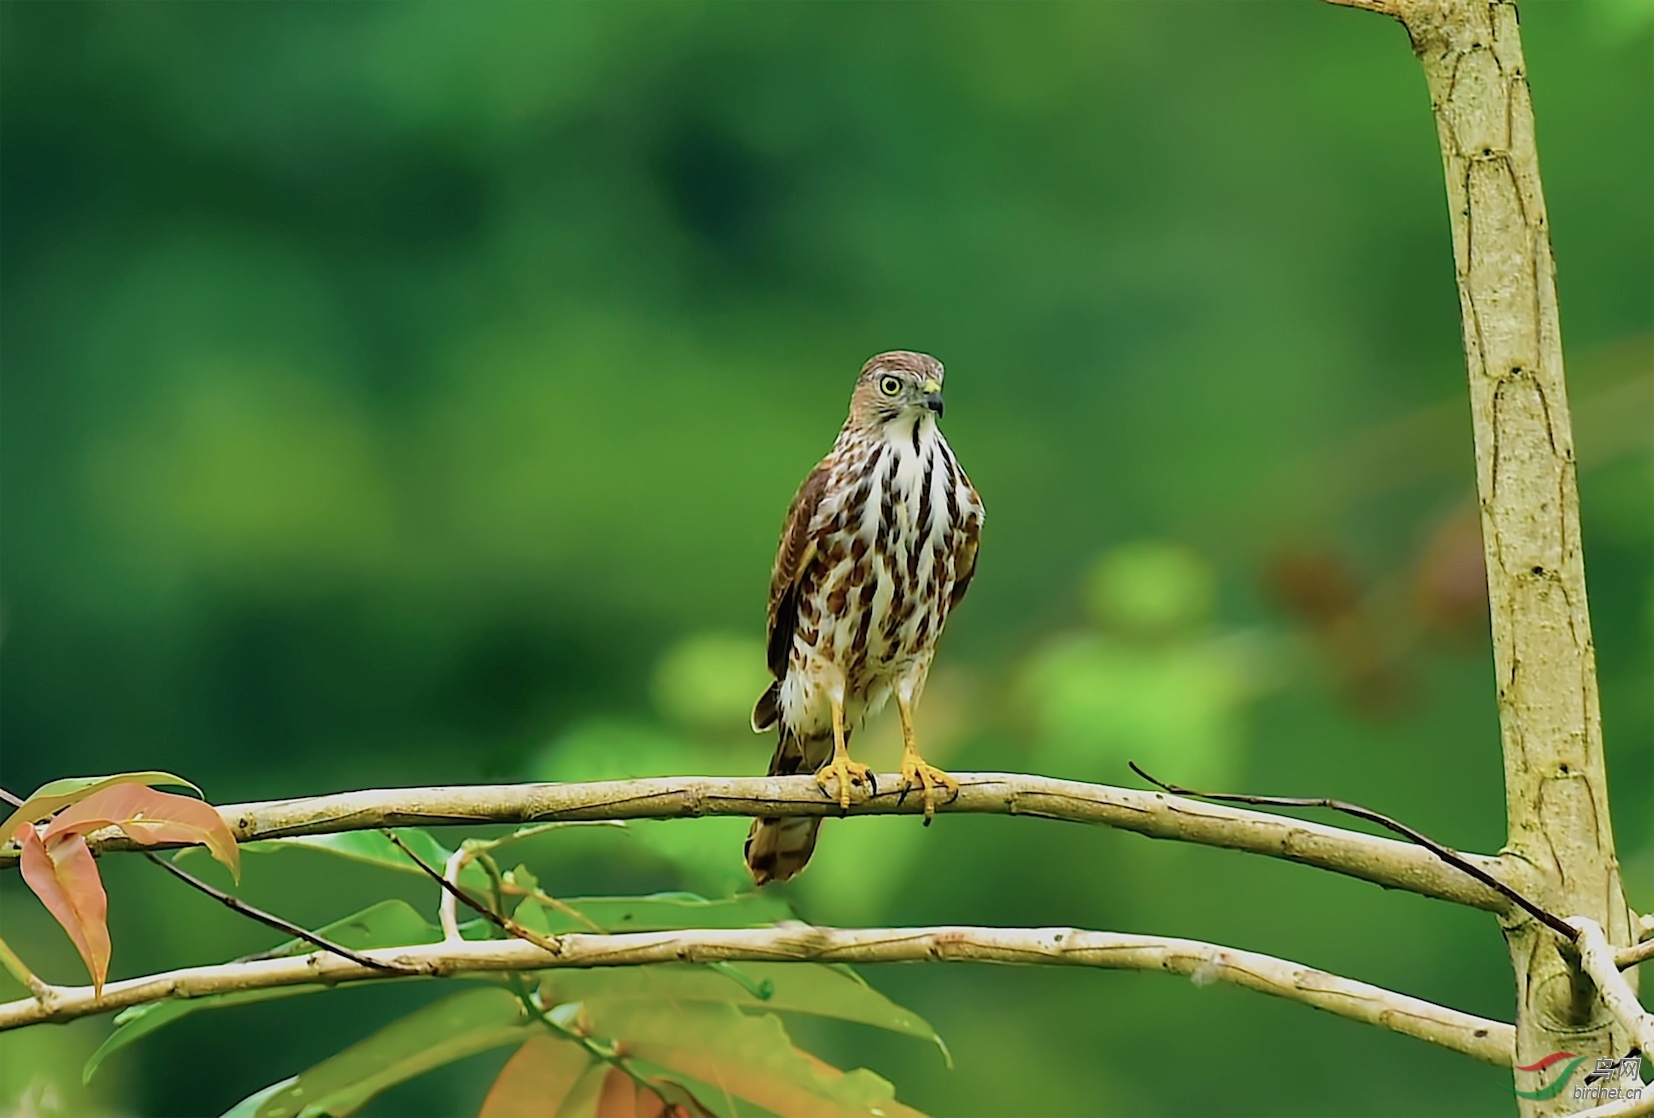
496	882
238	905
14	801
1446	854
508	925
447	913
1203	963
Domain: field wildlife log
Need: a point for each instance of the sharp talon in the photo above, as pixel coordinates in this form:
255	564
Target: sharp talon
917	773
872	782
844	774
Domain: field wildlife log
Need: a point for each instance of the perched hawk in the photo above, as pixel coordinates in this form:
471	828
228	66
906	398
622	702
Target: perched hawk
878	548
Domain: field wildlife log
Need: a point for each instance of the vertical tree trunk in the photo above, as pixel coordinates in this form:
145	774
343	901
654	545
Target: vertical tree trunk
1556	790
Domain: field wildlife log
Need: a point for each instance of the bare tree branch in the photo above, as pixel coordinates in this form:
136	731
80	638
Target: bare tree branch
1630	956
1489	1041
447	909
1447	854
1596	958
1386	862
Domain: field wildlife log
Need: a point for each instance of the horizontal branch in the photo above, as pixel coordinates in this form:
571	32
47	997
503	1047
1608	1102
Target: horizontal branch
1634	955
1386	862
1489	1041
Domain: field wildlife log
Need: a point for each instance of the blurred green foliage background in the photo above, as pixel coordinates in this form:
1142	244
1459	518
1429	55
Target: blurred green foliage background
408	392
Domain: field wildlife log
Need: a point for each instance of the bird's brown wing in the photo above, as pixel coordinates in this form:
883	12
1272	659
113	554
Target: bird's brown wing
964	560
792	563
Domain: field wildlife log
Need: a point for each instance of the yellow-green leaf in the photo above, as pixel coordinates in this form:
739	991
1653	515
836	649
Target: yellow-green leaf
749	1057
448	1030
392	923
806	988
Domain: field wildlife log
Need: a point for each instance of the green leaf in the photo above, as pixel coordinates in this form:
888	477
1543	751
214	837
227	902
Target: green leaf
375	849
248	1107
748	1057
809	988
393	923
141	1020
657	912
449	1030
761	988
58	794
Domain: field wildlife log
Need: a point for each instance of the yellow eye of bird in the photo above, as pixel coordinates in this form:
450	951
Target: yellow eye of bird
891	386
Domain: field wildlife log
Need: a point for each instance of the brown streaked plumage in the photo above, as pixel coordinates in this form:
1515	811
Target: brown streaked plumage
878	548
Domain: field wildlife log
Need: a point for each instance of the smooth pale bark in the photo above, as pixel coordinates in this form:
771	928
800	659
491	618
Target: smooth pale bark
1203	963
1556	784
1386	862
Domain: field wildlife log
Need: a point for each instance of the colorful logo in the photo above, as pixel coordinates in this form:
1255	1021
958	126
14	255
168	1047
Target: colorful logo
1559	1082
1607	1070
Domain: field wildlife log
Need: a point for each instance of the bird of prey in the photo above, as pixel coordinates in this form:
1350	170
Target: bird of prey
878	548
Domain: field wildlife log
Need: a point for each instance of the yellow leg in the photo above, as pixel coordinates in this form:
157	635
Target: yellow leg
915	770
841	768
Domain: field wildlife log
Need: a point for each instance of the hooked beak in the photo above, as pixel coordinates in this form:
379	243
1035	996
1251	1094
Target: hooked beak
932	398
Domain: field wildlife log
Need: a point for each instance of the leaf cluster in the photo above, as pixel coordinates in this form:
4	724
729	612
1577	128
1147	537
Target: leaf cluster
680	1040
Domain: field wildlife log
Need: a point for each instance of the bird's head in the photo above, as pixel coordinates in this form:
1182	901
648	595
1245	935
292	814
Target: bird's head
896	386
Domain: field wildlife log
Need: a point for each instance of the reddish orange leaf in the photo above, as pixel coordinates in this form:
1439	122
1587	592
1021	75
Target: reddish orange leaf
748	1057
64	875
536	1080
56	795
624	1097
147	816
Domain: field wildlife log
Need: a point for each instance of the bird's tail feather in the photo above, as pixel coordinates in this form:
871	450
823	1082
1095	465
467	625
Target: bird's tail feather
778	848
767	711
